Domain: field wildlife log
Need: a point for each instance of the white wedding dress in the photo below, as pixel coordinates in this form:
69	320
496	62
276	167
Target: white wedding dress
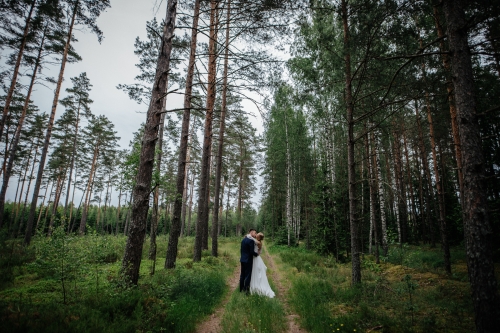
259	283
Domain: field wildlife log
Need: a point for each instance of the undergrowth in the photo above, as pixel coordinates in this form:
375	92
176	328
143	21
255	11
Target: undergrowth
67	283
409	292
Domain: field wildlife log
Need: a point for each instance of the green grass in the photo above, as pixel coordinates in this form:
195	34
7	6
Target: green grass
72	284
253	313
414	297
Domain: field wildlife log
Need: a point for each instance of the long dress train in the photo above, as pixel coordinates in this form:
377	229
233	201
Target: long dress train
259	283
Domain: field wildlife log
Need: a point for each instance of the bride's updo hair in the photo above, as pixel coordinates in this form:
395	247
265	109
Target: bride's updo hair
260	236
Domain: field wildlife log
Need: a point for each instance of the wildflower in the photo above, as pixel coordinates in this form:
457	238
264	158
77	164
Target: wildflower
341	324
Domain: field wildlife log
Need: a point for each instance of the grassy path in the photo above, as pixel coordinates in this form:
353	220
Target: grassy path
213	323
240	313
292	318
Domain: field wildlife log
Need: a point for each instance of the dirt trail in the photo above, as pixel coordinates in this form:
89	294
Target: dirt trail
293	325
212	324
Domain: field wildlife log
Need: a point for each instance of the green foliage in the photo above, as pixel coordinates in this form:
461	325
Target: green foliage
72	284
253	313
392	298
281	237
421	258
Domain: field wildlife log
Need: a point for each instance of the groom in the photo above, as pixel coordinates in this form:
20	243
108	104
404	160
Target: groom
246	259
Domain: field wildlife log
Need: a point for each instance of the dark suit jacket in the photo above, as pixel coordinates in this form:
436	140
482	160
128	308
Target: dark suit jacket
247	250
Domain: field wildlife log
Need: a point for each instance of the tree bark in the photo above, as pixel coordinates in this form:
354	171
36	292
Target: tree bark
351	171
142	190
207	143
155	216
478	232
36	190
453	110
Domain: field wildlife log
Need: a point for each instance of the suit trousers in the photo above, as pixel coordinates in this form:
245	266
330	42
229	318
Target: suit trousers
246	275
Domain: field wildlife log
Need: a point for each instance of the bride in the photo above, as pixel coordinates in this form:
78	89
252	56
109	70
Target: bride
259	283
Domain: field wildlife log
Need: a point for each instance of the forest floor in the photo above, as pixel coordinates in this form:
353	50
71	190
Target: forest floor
72	284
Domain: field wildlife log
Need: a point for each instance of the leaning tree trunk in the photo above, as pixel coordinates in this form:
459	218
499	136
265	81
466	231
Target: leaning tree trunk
15	143
36	190
142	190
10	93
478	232
218	172
207	143
351	170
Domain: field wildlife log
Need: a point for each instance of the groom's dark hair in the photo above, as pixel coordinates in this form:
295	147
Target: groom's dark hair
250	230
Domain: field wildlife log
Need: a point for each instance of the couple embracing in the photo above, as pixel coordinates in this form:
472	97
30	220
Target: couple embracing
253	278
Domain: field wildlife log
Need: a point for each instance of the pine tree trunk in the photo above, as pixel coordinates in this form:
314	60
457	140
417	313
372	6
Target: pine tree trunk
155	215
351	171
181	183
17	65
142	190
203	191
186	180
190	205
478	232
36	190
453	110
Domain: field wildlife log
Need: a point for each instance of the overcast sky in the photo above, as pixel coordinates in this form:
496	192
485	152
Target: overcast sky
113	62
